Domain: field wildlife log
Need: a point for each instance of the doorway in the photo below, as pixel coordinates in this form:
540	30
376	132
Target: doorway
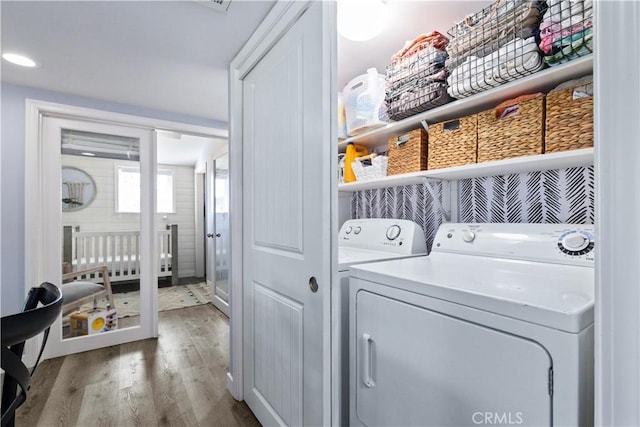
43	195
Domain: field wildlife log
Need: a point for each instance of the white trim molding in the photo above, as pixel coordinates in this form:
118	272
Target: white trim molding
617	156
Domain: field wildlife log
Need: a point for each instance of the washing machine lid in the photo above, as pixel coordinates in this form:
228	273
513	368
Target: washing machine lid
551	295
348	256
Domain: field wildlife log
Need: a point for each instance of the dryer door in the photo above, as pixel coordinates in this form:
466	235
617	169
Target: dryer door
418	367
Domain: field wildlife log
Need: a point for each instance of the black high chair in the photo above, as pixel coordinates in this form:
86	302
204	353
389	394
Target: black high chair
16	329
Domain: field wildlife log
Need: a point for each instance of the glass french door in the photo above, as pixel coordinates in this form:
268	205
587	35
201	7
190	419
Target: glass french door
218	232
99	181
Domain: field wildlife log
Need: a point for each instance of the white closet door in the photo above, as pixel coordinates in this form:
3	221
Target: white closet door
287	220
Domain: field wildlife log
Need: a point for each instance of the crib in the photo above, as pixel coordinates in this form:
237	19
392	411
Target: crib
119	251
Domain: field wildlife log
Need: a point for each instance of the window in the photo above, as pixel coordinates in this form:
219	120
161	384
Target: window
128	194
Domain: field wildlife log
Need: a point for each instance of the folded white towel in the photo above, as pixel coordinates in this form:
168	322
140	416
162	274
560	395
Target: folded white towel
513	60
561	10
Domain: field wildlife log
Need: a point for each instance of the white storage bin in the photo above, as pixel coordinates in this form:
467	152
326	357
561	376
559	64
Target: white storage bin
364	102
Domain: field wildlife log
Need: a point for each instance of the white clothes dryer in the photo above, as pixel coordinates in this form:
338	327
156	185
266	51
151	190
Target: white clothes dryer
361	241
494	327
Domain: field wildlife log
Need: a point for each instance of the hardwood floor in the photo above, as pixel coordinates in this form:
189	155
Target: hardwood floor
176	380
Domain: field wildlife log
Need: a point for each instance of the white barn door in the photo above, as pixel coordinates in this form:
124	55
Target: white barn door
287	185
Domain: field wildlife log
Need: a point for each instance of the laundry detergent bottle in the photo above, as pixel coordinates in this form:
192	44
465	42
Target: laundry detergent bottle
353	151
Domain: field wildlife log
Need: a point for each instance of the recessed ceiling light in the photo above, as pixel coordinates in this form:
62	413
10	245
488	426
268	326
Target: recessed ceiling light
361	20
88	154
18	59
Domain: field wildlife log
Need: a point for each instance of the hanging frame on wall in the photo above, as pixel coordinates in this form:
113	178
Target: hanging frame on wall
78	189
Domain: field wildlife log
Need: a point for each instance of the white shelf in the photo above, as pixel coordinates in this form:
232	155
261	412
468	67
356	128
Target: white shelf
583	157
542	81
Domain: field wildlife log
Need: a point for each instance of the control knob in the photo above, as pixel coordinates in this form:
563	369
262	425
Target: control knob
575	243
393	232
357	230
348	230
468	236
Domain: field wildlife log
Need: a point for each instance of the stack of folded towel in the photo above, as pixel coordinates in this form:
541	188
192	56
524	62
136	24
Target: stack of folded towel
566	30
494	46
417	77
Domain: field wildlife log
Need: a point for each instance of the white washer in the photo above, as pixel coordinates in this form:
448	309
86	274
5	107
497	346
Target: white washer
494	327
361	241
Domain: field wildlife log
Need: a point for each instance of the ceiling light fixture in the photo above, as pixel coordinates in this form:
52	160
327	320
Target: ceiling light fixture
88	154
16	58
361	20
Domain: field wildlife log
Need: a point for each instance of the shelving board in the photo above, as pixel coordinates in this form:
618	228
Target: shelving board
542	81
565	159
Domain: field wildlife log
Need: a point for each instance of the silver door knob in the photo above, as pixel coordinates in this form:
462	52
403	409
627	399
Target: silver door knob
218	234
313	285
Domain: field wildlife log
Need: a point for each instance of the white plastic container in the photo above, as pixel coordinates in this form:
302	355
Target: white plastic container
364	102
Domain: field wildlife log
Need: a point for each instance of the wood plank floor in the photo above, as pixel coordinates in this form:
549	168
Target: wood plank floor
175	380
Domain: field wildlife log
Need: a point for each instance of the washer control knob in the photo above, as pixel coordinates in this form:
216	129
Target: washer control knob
348	230
393	232
468	236
575	241
357	230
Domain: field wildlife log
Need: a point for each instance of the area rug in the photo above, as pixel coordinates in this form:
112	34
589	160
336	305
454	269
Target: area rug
169	298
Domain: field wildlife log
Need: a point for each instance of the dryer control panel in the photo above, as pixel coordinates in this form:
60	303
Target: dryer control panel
555	243
385	235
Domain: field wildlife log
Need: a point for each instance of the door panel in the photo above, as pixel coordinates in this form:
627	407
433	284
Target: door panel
102	232
419	367
278	352
218	234
283	211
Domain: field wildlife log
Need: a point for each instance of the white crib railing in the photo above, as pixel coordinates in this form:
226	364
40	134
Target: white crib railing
119	251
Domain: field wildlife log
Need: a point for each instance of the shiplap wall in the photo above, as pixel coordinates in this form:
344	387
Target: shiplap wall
102	216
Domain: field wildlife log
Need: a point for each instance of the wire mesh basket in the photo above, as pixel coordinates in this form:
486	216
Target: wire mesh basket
566	31
416	78
366	172
494	46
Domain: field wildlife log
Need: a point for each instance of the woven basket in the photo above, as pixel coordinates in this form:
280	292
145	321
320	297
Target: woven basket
408	152
569	122
453	143
519	135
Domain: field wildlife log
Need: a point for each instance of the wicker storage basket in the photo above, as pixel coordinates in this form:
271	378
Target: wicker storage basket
453	143
518	135
408	152
569	122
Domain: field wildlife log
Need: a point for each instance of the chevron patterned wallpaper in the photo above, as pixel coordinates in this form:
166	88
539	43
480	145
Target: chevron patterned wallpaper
412	202
554	196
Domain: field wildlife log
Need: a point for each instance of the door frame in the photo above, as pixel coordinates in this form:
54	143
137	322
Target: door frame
281	17
617	154
36	220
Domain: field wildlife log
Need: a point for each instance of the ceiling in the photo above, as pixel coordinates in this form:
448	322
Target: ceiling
185	150
165	55
407	19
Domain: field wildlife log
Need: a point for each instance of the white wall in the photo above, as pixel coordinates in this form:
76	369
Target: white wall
12	174
101	214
